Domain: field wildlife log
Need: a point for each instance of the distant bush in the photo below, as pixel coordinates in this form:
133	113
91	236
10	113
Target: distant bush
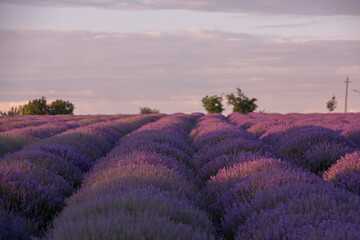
331	104
60	106
13	111
40	107
147	110
241	103
213	104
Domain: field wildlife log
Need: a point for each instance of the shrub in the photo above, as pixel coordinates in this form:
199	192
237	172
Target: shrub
147	110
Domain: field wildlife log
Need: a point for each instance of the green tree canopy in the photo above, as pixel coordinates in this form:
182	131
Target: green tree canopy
36	107
147	110
331	104
213	104
241	103
40	107
60	106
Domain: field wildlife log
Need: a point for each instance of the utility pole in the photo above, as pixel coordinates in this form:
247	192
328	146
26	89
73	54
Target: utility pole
346	92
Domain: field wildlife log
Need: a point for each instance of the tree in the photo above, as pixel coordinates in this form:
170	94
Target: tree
147	110
60	106
13	111
241	103
331	104
36	107
213	104
40	107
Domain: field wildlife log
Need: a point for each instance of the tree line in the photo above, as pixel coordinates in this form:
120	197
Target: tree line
41	107
212	104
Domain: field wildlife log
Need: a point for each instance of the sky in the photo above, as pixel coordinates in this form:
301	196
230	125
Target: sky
114	56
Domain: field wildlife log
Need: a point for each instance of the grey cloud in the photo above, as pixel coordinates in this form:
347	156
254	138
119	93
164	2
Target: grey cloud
299	7
170	70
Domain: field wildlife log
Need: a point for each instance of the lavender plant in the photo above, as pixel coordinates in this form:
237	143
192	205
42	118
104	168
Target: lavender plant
346	172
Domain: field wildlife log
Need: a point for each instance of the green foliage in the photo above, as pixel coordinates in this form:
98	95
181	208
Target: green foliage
36	107
13	111
147	110
213	104
40	107
331	104
61	107
241	103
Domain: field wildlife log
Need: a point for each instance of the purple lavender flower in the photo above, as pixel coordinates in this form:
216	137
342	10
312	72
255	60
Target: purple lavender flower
346	172
51	162
148	202
311	147
211	168
296	211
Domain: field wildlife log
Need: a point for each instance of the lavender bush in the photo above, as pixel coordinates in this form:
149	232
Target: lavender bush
297	211
311	147
346	172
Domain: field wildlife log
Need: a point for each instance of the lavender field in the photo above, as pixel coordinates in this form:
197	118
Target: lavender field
180	176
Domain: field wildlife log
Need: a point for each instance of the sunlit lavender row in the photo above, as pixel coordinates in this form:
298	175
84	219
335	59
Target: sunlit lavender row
271	188
31	129
184	176
143	189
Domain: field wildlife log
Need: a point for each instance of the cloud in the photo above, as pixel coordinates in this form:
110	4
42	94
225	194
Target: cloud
299	7
104	72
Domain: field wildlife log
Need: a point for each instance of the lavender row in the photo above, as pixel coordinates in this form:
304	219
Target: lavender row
345	173
220	144
143	189
308	146
312	147
35	181
258	124
262	197
17	122
16	139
